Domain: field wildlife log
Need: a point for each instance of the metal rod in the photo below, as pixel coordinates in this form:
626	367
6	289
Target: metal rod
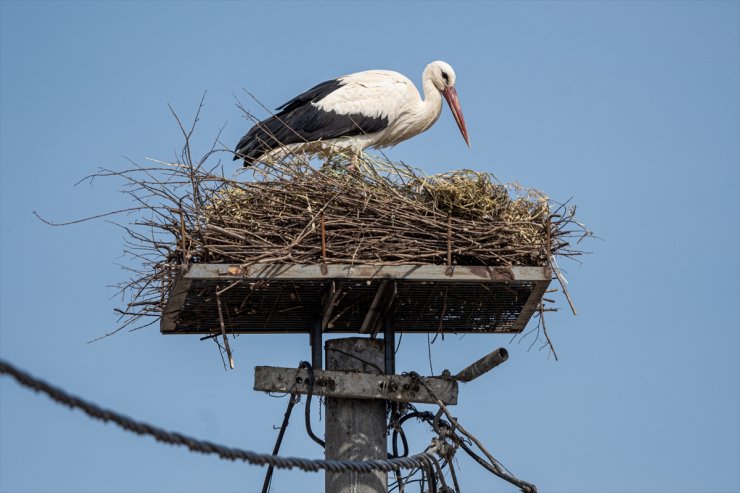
389	337
483	365
317	346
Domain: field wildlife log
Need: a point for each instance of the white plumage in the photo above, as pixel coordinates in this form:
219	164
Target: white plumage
375	108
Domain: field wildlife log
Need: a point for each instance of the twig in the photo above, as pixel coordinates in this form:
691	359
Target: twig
556	270
223	328
84	219
544	331
323	243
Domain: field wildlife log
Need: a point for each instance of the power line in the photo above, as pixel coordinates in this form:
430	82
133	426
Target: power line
422	460
425	461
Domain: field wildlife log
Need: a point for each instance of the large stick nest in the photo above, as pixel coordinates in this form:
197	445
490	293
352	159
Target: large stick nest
382	214
290	211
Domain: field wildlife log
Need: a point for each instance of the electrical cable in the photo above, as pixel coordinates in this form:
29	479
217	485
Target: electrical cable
268	475
204	447
310	383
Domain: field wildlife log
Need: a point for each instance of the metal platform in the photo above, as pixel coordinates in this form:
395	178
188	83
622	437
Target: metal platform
340	298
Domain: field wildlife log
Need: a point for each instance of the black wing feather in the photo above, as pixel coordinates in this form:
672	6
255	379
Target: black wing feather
299	121
313	95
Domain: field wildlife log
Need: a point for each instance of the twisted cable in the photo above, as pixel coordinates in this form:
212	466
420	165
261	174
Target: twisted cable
205	447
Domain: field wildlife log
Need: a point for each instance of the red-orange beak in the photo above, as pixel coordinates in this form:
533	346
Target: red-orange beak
450	94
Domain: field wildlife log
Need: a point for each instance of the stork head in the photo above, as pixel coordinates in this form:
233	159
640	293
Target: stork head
443	78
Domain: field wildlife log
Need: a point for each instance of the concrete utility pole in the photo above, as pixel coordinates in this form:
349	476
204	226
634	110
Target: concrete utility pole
355	428
357	383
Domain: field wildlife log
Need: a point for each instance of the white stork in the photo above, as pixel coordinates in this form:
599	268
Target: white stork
375	108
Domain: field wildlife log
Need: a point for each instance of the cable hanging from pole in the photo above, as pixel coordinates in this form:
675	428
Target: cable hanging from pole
444	445
204	447
310	383
286	418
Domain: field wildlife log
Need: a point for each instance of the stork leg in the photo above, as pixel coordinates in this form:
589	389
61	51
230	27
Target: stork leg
354	161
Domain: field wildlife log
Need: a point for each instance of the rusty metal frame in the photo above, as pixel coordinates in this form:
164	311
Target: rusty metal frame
438	273
175	303
441	274
531	305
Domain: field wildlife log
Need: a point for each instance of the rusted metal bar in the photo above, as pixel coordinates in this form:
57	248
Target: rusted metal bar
355	385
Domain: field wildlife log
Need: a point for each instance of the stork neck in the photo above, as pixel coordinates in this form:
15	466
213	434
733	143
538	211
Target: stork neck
432	97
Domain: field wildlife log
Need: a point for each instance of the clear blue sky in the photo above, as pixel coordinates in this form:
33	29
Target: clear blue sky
631	108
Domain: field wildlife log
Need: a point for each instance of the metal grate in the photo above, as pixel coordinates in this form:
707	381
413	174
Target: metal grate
292	298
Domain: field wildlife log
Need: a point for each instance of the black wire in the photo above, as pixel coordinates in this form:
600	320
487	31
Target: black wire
276	449
396	432
423	480
397	473
423	415
405	484
440	475
454	475
523	485
426	470
431	477
203	447
310	383
396	427
394	442
398	482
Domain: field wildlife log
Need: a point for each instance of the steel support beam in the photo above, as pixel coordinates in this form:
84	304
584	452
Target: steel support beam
317	346
389	338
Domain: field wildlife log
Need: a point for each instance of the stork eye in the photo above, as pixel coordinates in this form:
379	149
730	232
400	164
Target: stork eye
445	77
